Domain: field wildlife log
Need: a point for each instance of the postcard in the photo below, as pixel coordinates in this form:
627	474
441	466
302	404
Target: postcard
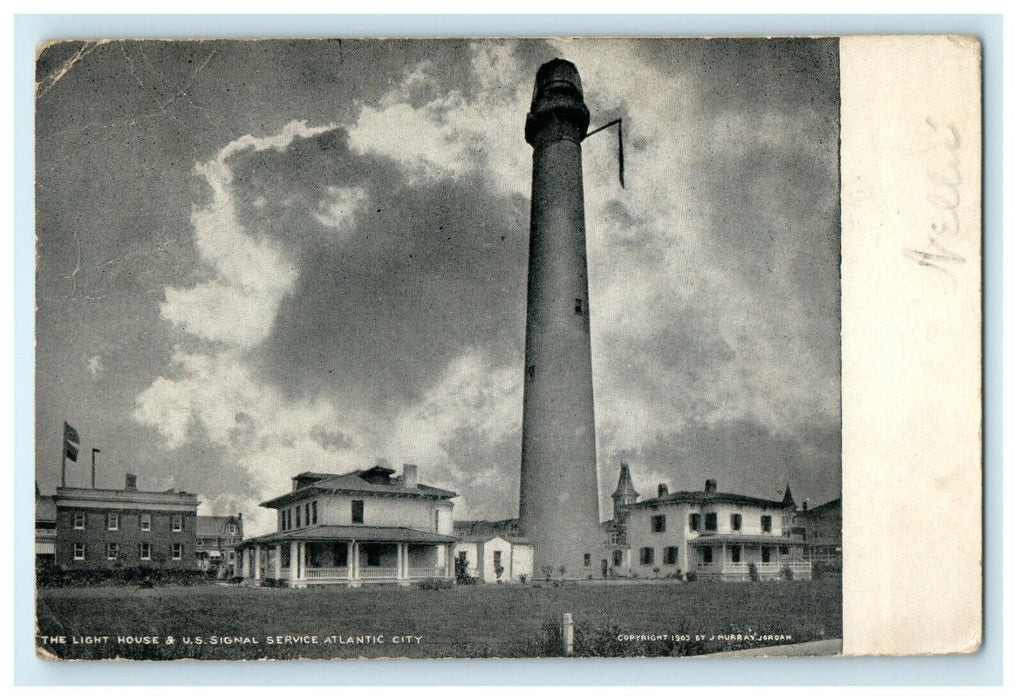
508	348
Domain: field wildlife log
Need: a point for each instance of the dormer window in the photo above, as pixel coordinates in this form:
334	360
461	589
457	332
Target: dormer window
357	512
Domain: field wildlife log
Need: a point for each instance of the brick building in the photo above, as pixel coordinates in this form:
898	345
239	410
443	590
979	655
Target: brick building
104	528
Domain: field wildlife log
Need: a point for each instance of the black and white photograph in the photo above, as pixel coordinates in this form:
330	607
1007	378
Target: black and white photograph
438	348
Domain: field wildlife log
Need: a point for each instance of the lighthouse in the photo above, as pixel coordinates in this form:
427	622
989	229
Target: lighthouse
558	498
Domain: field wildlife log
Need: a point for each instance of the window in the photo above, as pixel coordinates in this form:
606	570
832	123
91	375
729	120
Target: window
706	555
737	554
298	516
286	555
694	522
289	514
113	521
737	522
231	555
766	523
579	307
373	556
357	512
232	529
531	372
284	525
617	557
586	559
657	523
711	522
436	520
647	556
111	550
314	512
307	514
176	551
176	522
670	555
766	554
784	550
497	559
79	521
145	551
79	551
145	522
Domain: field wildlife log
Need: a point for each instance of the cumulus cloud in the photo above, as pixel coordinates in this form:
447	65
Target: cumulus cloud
361	293
453	133
238	305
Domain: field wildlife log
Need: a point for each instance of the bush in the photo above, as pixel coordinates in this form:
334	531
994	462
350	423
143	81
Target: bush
787	573
462	576
752	572
522	578
436	584
691	575
236	579
51	576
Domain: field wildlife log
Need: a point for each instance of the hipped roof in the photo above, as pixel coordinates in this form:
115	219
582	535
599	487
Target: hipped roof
347	533
353	482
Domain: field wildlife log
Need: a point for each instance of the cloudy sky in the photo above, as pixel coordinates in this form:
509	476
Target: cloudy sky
259	258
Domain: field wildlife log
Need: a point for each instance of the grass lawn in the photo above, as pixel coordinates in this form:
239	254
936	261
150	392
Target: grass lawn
467	621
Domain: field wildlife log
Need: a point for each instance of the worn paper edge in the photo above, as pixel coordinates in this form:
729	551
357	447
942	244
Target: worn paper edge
911	344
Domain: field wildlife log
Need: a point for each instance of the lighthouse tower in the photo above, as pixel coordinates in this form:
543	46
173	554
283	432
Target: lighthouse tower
558	499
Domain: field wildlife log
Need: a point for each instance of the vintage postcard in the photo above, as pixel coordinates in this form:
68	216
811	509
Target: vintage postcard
507	348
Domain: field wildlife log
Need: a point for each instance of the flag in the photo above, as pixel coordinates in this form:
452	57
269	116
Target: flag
71	441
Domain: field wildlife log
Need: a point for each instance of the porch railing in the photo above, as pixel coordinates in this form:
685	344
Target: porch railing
327	572
771	569
370	573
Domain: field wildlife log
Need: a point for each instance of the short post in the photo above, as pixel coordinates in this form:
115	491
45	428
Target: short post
567	633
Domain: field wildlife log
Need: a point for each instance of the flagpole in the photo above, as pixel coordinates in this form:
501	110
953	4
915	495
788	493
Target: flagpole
63	461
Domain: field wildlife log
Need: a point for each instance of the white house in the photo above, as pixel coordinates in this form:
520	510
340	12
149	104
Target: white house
496	557
709	533
360	527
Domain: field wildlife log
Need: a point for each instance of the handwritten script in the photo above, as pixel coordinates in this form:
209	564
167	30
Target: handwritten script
945	197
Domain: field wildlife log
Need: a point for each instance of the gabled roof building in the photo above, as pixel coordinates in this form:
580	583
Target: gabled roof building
708	533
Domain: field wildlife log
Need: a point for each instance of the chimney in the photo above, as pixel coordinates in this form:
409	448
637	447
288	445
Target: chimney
710	486
129	482
662	490
805	506
409	476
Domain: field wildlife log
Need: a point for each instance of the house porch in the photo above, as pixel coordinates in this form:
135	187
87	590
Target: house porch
299	563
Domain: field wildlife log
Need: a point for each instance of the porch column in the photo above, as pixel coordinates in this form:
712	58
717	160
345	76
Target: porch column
277	561
245	562
355	564
259	563
725	559
302	560
351	560
293	564
449	561
403	557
